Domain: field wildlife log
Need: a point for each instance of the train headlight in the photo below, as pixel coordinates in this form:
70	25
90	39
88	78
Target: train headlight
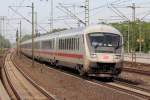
93	55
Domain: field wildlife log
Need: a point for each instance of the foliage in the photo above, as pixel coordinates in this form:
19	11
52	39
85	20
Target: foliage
138	31
26	37
4	43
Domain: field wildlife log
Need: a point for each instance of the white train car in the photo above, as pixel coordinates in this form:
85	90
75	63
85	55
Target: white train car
95	50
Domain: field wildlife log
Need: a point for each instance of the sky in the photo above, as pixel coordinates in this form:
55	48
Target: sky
100	11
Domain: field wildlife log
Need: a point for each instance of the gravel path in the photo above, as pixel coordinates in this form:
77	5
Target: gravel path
66	87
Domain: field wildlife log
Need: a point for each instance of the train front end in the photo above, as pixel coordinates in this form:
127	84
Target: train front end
104	51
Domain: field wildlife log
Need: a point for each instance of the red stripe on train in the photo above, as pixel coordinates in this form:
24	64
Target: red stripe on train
62	54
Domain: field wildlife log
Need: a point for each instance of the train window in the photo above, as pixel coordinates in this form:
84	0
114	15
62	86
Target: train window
62	44
46	44
65	44
78	43
53	41
59	44
50	44
68	44
72	44
75	43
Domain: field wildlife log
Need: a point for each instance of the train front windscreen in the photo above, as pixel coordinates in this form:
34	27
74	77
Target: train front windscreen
105	42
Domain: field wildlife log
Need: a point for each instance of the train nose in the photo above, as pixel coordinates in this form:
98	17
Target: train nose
117	58
105	58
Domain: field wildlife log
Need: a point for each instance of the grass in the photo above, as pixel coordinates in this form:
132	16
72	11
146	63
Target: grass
1	51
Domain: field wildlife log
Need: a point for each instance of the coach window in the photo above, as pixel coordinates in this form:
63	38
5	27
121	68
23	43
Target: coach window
53	43
74	42
70	44
67	44
59	43
61	46
64	44
50	44
78	43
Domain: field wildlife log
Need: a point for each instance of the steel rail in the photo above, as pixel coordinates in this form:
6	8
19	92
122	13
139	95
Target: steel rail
43	91
138	71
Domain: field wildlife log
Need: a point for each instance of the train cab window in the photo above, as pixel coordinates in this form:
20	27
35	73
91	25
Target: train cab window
105	42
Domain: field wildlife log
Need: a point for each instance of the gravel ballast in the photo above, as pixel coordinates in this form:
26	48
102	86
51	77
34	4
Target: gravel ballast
67	87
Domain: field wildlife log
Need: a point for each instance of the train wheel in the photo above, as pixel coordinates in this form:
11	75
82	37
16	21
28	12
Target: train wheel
111	79
81	70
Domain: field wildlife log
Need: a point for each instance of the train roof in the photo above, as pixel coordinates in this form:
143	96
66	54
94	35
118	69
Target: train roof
78	31
102	28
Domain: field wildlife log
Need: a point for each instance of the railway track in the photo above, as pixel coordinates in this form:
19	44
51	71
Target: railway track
22	86
130	89
118	85
138	71
123	87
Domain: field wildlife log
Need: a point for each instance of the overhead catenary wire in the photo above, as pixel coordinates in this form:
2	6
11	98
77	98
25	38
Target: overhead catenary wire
26	18
71	14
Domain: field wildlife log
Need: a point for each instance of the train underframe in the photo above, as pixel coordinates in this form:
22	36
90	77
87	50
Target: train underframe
105	69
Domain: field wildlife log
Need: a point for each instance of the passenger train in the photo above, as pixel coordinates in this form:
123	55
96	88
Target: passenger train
94	51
